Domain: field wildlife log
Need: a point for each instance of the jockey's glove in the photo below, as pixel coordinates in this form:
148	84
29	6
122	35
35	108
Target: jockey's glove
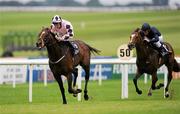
59	38
153	40
146	39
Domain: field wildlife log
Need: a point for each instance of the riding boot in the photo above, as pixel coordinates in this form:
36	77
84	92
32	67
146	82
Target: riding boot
74	48
163	51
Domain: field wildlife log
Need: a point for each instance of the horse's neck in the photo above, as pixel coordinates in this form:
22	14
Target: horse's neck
142	51
55	52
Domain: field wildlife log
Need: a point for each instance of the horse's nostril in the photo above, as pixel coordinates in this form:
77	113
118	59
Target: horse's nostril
36	44
129	46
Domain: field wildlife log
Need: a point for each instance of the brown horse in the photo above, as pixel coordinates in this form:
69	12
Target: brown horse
149	60
62	62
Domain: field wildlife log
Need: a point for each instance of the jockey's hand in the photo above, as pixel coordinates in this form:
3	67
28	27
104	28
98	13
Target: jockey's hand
146	40
65	37
58	38
152	40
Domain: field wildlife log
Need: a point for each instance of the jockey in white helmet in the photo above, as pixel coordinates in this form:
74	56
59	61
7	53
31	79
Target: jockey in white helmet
62	29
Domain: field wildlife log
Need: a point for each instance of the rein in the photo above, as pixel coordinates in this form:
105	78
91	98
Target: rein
55	62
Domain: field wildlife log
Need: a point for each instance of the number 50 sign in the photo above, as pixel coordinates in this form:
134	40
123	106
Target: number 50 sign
124	53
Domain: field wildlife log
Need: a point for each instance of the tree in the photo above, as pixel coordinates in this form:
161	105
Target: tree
52	2
69	3
160	2
10	3
94	3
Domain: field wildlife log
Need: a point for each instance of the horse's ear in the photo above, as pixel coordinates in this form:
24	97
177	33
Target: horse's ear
43	27
137	29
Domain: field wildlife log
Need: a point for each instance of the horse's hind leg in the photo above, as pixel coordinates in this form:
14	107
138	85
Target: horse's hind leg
169	81
75	73
135	82
86	68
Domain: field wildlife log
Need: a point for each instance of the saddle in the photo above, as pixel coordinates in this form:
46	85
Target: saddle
163	52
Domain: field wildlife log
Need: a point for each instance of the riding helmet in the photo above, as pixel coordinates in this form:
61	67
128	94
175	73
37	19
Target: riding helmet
56	19
145	27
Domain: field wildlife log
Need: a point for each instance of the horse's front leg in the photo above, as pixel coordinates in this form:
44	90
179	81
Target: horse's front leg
60	83
75	73
70	89
153	85
86	68
154	80
135	82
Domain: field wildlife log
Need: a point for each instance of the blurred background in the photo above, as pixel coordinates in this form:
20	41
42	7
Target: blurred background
104	24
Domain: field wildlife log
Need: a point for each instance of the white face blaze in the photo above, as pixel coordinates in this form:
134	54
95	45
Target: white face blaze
42	42
42	34
132	37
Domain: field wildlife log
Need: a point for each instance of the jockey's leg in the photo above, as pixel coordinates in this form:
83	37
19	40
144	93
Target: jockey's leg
161	38
162	50
74	48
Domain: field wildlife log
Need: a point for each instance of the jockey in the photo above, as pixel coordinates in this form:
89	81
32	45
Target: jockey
154	37
63	31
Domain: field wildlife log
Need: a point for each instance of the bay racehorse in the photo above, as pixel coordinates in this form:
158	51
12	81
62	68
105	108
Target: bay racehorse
149	60
63	62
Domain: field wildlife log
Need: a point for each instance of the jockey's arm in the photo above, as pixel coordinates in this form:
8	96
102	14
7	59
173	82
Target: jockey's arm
69	34
155	39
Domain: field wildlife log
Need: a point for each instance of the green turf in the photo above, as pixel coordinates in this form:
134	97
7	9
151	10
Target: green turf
104	99
103	30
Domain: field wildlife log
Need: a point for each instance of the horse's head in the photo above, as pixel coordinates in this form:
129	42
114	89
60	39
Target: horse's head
45	38
135	39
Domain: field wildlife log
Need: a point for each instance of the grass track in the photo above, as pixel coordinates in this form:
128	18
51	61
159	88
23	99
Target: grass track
104	99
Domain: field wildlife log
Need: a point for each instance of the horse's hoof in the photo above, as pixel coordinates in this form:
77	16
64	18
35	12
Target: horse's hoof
74	95
167	95
149	94
161	85
71	91
79	90
64	102
139	92
86	97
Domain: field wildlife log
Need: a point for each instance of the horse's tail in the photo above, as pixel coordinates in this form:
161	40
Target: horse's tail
176	67
93	50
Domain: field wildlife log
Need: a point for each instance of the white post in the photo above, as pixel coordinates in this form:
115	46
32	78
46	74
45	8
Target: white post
30	82
100	74
79	78
145	78
122	81
124	78
165	79
95	72
14	75
45	75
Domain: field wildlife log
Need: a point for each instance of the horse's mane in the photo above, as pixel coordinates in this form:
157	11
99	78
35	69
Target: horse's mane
136	30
